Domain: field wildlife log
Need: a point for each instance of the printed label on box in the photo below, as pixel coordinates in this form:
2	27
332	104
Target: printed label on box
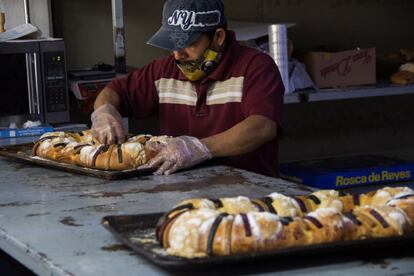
7	133
346	172
340	69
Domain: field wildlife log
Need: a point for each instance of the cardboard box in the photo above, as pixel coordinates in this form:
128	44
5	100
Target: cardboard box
19	132
348	172
341	68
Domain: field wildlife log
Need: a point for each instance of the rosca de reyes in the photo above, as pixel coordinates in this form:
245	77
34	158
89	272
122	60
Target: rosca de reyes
82	149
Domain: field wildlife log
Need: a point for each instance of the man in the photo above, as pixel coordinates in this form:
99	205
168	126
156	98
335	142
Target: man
215	97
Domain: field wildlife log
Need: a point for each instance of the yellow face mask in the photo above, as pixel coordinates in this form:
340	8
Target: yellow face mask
202	66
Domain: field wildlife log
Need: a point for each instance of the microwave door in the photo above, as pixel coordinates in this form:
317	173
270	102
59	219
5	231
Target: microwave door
20	92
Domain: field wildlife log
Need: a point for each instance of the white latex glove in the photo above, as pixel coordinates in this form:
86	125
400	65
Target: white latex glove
179	153
107	125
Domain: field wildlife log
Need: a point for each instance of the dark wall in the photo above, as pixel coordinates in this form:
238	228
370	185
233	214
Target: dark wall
312	129
348	126
384	24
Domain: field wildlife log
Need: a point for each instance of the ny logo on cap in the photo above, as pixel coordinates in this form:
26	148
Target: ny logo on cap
188	19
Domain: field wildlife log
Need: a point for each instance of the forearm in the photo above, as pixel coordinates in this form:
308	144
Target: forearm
244	137
107	95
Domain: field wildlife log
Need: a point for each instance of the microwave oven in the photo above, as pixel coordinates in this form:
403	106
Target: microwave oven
33	82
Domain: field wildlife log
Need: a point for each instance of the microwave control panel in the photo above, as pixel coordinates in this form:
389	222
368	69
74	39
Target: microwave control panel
55	81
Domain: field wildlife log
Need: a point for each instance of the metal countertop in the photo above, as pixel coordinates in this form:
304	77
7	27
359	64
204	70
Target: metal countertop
50	220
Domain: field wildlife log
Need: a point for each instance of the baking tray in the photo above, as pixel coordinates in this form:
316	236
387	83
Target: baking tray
138	233
23	153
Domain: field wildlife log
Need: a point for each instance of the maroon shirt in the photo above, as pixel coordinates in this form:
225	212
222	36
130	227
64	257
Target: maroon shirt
246	82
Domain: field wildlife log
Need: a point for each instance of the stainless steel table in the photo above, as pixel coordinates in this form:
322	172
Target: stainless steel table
50	220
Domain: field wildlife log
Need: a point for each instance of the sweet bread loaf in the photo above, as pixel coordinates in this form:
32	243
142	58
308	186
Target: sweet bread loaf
380	197
402	77
409	66
405	74
205	232
404	201
206	227
82	149
291	206
381	221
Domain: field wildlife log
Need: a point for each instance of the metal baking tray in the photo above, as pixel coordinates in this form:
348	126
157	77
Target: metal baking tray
23	153
138	233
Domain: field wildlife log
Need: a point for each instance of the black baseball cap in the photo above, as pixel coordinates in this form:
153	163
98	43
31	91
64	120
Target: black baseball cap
184	20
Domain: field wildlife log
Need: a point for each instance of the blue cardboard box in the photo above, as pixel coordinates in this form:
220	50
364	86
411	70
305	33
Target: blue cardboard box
348	171
19	132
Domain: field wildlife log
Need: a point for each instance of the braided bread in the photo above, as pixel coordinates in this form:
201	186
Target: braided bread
205	227
82	149
291	206
405	74
402	78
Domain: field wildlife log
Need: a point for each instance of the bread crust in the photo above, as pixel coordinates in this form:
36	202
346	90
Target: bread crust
82	149
409	66
402	78
204	228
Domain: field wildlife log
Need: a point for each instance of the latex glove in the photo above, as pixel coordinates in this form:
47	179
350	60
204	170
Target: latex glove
179	153
107	125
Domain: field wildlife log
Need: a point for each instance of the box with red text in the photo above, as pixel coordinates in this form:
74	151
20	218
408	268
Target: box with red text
333	68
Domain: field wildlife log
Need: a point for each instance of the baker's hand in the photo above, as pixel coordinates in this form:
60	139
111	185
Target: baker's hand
107	125
179	153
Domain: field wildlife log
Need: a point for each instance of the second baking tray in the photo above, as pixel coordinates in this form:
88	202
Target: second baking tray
138	232
23	153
